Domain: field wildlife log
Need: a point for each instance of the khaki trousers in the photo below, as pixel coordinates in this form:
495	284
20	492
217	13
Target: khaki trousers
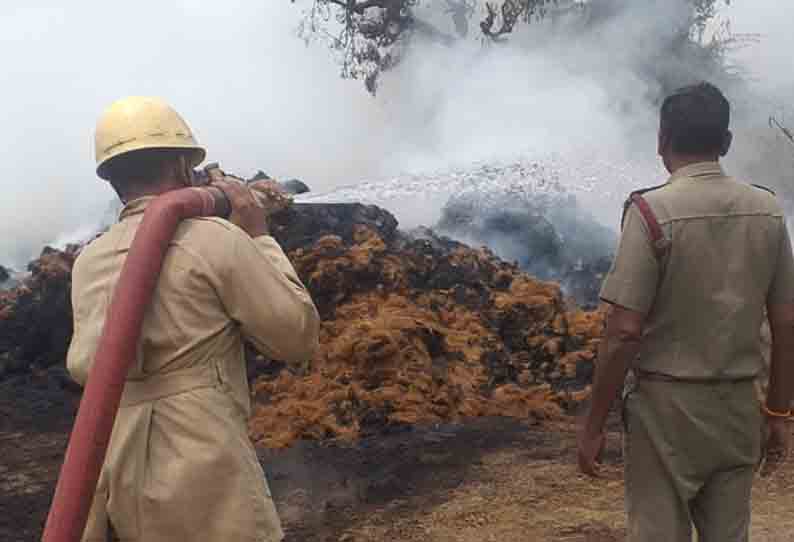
691	450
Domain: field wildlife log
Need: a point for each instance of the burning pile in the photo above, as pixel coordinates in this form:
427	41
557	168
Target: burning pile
35	317
416	329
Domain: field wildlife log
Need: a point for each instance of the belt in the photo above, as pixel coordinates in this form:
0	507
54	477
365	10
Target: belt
158	386
661	377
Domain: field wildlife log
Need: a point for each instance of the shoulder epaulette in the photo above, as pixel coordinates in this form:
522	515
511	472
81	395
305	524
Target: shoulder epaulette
639	192
658	241
764	188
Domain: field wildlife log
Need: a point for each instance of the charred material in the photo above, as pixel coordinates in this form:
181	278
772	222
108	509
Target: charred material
295	187
9	278
35	317
302	224
549	235
417	328
583	281
422	329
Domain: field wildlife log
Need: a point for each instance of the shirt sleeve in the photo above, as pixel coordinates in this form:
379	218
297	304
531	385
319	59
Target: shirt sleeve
782	288
263	294
85	335
633	278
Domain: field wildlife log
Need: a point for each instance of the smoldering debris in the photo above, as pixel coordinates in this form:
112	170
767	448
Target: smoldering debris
422	329
35	315
550	236
416	329
526	211
10	278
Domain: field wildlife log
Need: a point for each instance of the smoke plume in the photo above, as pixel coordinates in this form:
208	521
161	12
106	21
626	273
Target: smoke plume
260	99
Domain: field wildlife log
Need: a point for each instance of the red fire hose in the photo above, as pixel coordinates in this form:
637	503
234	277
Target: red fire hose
115	355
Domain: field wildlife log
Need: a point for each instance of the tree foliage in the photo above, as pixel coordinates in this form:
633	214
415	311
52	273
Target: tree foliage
370	36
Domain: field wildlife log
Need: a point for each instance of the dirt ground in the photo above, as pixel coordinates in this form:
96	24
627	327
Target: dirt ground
485	480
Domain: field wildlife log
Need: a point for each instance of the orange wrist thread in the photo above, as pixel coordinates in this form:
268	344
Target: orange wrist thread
774	414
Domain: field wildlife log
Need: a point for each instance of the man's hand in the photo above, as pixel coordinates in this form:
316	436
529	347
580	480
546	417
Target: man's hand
271	196
776	445
781	373
247	212
590	449
620	346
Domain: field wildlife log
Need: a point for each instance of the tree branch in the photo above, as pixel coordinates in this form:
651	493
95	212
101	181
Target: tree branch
361	7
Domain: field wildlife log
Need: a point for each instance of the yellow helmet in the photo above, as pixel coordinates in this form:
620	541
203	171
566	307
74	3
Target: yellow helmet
136	123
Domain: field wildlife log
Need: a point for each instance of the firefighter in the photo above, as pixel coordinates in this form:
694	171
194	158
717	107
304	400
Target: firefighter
180	465
700	260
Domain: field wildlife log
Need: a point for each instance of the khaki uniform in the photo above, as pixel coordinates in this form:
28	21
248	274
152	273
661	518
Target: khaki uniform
180	465
693	422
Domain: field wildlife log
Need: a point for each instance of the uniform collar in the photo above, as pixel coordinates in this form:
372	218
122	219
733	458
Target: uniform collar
699	170
135	207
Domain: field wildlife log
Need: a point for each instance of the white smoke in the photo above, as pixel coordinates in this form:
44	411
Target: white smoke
260	99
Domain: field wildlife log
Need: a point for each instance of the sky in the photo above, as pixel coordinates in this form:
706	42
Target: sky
253	93
769	60
258	98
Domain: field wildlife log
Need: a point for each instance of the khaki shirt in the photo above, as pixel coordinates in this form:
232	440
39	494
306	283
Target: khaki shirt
730	255
180	465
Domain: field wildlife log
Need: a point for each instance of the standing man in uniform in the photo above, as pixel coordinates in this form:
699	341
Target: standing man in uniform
180	465
700	259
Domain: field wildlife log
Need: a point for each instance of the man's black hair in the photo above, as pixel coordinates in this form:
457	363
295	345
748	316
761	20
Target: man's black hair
141	168
696	118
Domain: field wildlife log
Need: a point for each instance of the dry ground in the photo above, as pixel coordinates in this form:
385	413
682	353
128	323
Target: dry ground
485	480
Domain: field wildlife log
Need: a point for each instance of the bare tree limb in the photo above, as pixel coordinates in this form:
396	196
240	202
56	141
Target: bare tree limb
786	132
373	34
